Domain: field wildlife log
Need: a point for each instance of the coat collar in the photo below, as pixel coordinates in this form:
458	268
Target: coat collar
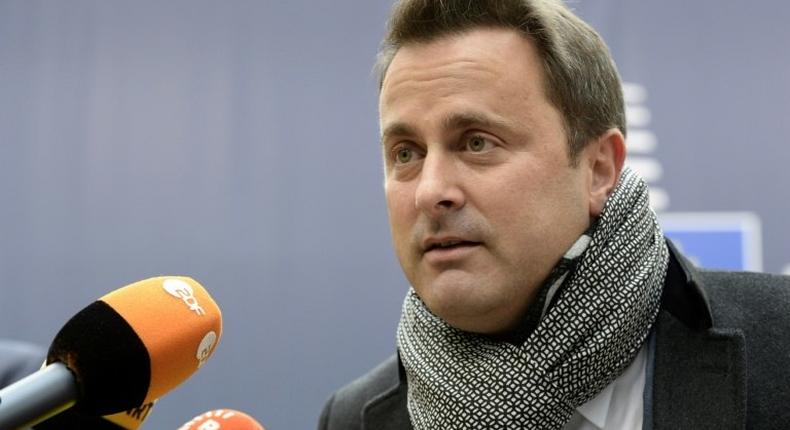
683	295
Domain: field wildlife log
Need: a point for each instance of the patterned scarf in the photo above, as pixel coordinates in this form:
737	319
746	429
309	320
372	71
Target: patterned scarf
600	303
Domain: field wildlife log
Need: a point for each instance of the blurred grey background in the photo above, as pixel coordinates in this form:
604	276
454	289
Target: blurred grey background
236	142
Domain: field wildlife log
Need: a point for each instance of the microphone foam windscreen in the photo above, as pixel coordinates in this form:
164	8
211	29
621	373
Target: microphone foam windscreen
137	343
222	419
109	360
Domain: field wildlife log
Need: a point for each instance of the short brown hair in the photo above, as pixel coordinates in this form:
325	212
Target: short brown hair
581	77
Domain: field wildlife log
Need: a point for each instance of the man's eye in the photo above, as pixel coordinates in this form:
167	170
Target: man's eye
477	143
404	155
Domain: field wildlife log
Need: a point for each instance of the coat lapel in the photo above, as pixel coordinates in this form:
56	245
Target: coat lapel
699	370
699	378
387	413
388	410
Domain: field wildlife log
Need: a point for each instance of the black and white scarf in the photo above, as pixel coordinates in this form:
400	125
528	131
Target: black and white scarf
600	303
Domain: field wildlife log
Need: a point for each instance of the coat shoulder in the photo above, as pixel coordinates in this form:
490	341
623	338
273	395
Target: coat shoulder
748	300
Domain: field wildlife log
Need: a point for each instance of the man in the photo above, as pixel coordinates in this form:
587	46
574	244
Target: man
543	293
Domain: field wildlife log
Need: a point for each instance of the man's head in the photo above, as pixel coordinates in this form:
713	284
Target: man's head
502	131
581	78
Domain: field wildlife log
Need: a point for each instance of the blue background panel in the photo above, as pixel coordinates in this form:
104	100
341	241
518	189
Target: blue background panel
712	249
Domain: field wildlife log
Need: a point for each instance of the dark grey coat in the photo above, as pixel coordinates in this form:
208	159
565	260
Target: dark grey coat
721	360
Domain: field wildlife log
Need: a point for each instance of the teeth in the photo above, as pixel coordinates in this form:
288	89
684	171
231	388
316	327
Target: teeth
449	243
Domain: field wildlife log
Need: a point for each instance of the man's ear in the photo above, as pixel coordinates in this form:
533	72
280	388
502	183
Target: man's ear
605	157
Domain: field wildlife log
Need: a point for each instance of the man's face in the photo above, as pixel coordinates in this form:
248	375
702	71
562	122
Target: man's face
482	198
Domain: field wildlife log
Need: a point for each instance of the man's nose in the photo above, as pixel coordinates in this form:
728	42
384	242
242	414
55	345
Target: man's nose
439	189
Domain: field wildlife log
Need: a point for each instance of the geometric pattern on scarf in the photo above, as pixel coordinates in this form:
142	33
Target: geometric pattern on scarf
592	328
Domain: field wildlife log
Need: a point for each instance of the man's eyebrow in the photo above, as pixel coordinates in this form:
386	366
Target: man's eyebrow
453	121
396	129
474	119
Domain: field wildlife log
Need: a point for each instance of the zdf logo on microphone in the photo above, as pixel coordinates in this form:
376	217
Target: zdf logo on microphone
181	290
206	347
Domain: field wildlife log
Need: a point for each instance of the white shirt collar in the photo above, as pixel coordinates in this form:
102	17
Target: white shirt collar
597	409
620	405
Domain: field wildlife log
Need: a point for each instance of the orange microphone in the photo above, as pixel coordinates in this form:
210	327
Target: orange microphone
124	350
222	419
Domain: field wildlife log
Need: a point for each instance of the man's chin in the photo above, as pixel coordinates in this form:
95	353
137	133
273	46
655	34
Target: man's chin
464	309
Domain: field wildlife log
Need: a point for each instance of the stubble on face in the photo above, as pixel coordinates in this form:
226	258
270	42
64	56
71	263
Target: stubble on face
518	198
